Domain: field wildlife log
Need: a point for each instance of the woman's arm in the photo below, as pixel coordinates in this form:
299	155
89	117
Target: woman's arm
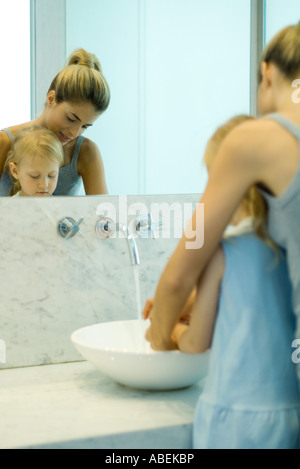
90	167
231	175
185	313
197	336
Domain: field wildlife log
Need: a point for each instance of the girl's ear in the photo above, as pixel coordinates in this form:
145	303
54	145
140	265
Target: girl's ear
14	170
51	98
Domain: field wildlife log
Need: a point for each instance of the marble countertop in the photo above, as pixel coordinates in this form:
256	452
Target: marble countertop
73	405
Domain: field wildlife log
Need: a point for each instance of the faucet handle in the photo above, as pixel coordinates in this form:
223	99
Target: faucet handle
144	226
105	227
67	227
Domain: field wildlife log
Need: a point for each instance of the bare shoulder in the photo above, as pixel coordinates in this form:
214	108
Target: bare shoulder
91	168
246	139
4	139
89	152
257	136
253	146
89	155
5	146
90	147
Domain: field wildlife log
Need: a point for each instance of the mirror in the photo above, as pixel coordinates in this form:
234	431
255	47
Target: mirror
177	69
172	69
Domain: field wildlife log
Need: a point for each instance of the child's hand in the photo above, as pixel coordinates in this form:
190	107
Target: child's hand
148	308
157	342
180	328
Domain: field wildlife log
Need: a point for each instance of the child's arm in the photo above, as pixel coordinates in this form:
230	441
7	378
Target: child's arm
197	336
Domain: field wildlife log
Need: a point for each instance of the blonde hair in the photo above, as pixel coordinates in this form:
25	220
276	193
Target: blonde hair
253	201
82	81
33	141
284	51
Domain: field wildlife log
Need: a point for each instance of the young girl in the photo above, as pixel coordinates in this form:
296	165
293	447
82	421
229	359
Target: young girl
34	162
243	312
76	98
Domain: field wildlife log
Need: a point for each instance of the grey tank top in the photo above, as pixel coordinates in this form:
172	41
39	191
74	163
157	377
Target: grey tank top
284	220
69	181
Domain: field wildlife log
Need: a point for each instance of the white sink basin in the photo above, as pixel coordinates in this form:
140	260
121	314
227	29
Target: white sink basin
119	350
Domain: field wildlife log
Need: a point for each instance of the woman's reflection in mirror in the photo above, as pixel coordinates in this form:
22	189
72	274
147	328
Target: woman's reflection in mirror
77	96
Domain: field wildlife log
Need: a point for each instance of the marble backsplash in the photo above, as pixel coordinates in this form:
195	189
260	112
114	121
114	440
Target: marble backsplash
51	286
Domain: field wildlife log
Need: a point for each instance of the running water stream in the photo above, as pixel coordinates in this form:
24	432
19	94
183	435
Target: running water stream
138	291
141	342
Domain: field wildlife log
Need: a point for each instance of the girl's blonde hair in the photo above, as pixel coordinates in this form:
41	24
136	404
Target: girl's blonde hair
253	201
284	51
82	81
33	141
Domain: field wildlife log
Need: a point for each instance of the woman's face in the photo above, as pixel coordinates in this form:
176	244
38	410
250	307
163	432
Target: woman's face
68	120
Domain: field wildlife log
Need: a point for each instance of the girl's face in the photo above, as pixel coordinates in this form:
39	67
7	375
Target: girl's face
37	175
68	120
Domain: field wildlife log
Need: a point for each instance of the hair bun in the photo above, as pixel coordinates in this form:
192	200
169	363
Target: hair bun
84	58
82	80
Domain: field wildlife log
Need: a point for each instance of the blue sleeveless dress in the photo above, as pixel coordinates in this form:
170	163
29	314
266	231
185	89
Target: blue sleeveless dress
251	396
69	181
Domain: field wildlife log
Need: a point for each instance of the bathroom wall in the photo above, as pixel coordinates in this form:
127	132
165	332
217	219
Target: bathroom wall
51	286
15	89
172	80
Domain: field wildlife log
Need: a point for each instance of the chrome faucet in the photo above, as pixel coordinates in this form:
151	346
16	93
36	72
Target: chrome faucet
106	227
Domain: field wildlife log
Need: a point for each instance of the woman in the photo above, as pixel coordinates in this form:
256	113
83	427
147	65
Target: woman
262	152
76	98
